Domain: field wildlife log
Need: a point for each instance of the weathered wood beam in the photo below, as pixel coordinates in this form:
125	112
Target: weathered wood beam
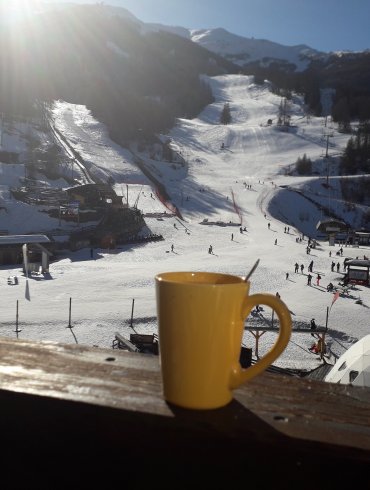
101	411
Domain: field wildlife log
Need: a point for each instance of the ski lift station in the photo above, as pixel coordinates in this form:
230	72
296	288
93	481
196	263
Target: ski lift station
15	249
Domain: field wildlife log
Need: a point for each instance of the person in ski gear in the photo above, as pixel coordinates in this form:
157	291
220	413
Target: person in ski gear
313	326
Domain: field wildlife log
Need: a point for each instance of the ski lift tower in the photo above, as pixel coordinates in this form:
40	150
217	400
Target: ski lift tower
326	136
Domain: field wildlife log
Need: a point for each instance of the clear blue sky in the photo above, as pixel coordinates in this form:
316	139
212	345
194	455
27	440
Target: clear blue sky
326	25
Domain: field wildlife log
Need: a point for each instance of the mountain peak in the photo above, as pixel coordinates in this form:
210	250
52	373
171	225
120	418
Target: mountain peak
243	50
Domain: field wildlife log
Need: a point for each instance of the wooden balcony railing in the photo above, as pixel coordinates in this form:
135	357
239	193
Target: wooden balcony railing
74	416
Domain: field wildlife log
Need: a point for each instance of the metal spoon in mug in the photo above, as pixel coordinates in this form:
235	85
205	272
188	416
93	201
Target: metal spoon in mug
252	270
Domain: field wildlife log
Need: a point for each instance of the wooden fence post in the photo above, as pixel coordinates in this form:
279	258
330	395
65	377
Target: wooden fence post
70	311
132	312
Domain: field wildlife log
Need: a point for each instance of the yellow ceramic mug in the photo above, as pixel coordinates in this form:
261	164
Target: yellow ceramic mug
201	321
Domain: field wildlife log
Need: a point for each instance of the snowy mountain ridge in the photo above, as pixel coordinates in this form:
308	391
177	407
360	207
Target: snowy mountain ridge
240	50
237	49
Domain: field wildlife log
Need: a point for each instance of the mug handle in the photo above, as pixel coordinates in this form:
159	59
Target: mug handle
239	375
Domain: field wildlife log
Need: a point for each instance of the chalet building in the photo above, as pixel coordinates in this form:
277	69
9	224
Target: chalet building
89	202
110	222
358	272
361	237
95	195
117	226
117	222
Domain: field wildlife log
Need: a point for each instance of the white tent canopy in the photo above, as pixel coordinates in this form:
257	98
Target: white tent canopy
353	367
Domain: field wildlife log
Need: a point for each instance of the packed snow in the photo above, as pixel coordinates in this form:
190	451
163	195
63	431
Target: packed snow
240	199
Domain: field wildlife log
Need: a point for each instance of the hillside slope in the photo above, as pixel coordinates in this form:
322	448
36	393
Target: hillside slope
217	191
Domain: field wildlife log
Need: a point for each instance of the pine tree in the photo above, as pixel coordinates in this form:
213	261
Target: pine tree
284	108
225	117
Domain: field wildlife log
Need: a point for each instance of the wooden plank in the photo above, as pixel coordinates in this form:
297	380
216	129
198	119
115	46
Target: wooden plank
346	408
73	406
142	338
125	343
294	330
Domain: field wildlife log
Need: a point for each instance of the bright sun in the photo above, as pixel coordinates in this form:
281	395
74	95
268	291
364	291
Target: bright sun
18	8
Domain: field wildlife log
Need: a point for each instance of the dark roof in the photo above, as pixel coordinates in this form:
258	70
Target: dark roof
321	225
99	188
21	239
94	191
358	262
